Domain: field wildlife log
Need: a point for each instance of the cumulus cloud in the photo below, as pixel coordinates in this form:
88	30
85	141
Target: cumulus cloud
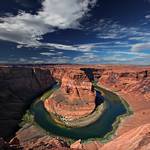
28	29
140	47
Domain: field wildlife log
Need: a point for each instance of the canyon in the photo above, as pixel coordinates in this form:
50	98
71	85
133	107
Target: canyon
20	85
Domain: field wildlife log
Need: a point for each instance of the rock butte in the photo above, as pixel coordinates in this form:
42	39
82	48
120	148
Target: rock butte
20	84
74	99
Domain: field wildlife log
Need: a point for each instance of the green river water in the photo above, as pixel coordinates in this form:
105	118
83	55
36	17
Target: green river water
99	129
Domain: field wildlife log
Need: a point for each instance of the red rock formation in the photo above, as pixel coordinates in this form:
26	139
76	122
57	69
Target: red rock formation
135	139
75	98
128	79
20	84
34	138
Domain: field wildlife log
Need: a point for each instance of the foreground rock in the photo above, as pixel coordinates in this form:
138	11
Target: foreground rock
12	145
31	137
135	139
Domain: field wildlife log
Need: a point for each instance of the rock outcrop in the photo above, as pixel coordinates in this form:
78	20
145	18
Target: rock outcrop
33	138
75	98
135	139
128	80
12	145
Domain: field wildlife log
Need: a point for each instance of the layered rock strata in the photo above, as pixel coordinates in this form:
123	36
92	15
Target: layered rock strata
74	99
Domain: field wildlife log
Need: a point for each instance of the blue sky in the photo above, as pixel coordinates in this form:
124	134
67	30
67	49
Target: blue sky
75	31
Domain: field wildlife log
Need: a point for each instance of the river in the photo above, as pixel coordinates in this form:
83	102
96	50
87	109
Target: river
99	129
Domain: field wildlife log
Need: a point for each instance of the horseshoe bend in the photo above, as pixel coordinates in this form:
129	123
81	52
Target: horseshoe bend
66	105
75	101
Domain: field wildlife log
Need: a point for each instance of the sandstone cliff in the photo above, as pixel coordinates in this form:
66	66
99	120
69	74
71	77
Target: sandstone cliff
128	80
18	88
75	98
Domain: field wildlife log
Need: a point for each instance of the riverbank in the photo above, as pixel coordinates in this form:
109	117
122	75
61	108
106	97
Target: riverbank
129	111
140	108
81	122
141	112
101	129
45	126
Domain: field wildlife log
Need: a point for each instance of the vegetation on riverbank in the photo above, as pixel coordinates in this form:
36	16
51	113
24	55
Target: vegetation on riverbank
28	118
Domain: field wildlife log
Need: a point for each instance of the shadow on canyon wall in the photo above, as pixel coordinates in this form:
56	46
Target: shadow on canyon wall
90	74
99	99
18	88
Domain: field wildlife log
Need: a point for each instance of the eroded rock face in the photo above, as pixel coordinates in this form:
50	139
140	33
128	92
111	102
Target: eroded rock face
33	138
129	81
135	139
75	98
18	88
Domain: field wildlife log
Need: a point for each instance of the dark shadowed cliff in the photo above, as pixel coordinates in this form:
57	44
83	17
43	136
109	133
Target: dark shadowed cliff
18	88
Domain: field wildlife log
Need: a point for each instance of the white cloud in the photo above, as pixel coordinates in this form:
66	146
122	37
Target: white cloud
140	47
113	57
138	38
22	60
77	47
53	60
47	54
147	16
109	29
51	54
28	29
87	58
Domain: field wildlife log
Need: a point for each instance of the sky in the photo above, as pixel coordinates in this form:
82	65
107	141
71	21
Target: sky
75	32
